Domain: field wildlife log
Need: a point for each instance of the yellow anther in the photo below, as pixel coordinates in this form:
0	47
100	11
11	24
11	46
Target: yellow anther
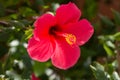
70	38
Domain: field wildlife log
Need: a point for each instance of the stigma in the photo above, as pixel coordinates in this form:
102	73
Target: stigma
70	39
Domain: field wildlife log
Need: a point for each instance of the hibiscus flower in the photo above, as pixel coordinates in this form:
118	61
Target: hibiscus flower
58	37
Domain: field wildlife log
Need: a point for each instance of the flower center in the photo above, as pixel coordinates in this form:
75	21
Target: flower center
70	38
52	30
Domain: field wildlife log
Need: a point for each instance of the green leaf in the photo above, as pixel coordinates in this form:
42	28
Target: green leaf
99	72
39	68
116	16
28	33
26	12
55	6
14	16
117	36
110	44
115	76
106	21
91	8
110	68
108	50
39	2
27	62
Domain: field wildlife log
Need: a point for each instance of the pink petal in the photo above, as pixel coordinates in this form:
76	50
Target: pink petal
42	26
67	13
40	50
83	30
65	55
34	77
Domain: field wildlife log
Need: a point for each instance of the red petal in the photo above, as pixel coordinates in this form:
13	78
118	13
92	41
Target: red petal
34	77
40	50
83	30
42	26
67	13
65	55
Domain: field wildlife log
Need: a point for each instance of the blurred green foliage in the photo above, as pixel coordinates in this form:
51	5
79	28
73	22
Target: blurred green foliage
98	57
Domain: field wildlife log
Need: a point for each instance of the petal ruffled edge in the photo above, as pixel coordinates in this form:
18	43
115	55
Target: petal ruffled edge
67	13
